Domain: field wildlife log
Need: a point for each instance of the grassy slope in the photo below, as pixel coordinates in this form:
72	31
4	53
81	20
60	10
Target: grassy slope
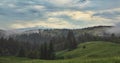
95	52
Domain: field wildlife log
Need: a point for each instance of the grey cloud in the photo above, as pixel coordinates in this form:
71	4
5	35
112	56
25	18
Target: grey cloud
108	15
28	12
23	10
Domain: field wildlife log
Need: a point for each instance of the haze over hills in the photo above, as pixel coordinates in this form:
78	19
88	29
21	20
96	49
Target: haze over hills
44	28
45	35
98	30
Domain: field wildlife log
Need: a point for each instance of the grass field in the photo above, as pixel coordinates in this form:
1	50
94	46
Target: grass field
94	52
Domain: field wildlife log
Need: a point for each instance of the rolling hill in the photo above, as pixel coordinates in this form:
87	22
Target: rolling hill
90	52
96	49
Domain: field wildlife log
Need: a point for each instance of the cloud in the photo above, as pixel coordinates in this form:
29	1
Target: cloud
50	13
69	3
112	14
38	7
59	23
100	5
109	13
78	15
14	12
50	23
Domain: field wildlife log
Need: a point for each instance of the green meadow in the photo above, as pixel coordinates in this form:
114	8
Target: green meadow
90	52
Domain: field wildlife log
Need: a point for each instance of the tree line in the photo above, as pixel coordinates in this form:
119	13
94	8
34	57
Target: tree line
46	50
86	37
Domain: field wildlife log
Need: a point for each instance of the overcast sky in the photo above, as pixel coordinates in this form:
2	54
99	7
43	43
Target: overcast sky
60	14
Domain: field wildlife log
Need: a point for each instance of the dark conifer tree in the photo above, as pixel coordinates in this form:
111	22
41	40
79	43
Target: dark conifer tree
21	52
43	51
51	51
71	41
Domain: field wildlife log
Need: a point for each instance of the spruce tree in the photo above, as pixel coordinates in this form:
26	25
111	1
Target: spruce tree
71	41
51	51
43	51
21	52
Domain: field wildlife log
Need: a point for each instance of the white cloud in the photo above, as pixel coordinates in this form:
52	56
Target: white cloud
78	15
109	10
60	2
69	3
112	14
32	7
59	13
38	7
108	13
12	5
58	23
50	23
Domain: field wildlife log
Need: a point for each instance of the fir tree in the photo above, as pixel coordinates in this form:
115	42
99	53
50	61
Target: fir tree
21	52
71	41
51	51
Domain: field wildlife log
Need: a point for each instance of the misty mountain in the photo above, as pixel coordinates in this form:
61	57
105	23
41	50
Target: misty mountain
43	35
38	36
